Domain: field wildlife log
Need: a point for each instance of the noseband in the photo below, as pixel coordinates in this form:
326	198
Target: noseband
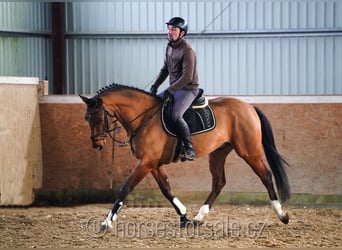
107	127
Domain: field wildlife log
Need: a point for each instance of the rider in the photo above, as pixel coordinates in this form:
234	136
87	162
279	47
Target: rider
180	66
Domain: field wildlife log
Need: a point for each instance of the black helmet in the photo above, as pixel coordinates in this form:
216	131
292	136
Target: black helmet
179	23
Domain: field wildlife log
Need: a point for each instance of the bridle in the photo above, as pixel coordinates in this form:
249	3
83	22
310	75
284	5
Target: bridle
111	128
108	129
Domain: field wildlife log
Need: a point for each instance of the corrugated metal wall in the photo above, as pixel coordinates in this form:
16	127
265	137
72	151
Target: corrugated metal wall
25	46
243	47
271	66
230	66
216	15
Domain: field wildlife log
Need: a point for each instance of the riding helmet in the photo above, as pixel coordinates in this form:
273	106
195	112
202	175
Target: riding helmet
179	23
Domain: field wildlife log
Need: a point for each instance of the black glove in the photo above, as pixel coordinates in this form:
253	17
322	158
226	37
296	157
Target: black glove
166	94
153	89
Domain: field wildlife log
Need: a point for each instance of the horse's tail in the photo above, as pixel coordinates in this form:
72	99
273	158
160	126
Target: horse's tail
275	160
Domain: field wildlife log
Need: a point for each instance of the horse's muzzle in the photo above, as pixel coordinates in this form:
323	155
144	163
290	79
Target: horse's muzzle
99	144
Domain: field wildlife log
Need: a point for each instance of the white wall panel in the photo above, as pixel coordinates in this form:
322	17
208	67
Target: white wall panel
25	56
293	65
150	16
94	63
29	16
262	66
246	47
25	49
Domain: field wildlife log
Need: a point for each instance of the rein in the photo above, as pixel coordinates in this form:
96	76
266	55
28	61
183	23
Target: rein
143	123
108	130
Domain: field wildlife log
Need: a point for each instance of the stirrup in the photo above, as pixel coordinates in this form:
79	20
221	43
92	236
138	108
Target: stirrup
189	155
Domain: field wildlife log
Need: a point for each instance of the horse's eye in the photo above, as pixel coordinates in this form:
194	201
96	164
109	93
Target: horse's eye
94	119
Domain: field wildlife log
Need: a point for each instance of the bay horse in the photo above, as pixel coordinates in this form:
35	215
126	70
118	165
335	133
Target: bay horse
239	126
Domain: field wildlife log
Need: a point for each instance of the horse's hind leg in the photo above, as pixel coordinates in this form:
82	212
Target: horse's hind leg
265	175
217	160
160	176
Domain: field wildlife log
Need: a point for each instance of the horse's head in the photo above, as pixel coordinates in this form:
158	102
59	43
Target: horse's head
94	114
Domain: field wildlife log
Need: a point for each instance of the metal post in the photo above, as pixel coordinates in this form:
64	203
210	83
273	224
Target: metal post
58	47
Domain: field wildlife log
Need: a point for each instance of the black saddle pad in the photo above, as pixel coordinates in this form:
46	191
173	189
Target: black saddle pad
200	120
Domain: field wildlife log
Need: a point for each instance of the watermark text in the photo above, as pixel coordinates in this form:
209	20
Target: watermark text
170	229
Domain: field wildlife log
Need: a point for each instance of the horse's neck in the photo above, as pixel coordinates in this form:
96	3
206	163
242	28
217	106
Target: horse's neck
129	109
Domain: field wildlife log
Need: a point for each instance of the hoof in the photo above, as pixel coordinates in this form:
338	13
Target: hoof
197	223
106	225
103	227
184	222
190	223
183	159
285	218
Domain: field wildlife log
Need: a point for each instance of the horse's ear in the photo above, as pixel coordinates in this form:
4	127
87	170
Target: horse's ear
84	99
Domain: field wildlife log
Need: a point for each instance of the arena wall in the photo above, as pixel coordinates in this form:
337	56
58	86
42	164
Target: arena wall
307	132
20	139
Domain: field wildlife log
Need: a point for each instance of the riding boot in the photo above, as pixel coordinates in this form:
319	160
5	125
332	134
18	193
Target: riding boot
183	132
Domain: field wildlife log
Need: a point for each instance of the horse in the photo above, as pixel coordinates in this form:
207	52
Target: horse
239	126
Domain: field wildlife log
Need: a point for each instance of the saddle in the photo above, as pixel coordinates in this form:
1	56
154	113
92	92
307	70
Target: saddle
199	116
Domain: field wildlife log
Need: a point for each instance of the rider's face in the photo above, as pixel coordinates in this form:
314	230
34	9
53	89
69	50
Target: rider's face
173	33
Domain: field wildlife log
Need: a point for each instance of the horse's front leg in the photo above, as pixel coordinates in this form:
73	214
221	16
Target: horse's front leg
138	173
160	176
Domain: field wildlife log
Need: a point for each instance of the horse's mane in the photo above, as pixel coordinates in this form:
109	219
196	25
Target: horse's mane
118	86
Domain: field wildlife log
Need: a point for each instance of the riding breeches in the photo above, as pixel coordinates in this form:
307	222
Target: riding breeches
182	101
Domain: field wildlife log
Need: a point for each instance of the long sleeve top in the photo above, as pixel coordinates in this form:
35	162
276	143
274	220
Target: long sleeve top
180	66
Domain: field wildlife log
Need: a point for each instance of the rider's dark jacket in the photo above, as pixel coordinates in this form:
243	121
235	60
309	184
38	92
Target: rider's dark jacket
180	66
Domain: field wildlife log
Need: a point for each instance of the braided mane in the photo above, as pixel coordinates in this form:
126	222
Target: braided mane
118	86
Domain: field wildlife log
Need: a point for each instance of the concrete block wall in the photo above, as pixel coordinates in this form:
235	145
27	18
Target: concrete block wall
20	140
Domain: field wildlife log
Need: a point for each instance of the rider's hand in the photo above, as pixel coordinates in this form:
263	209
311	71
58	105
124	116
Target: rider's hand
153	89
166	94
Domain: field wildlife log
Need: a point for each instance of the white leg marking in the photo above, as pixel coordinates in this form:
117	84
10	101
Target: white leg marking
111	217
277	207
180	206
202	212
108	221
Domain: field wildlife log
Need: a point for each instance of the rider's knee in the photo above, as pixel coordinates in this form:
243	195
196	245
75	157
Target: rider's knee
176	117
